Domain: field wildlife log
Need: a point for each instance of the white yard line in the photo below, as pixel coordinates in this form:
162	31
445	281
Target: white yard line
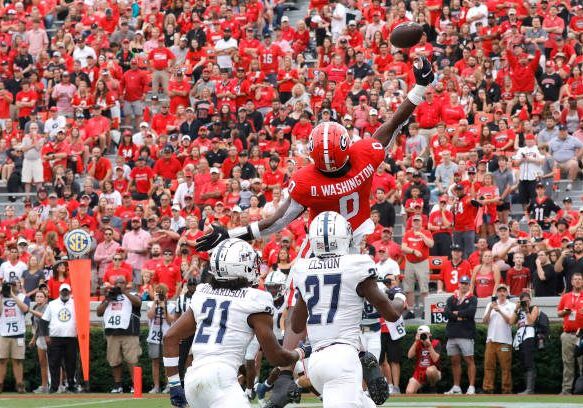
82	404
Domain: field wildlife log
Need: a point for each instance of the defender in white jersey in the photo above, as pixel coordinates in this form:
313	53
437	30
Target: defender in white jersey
332	288
223	316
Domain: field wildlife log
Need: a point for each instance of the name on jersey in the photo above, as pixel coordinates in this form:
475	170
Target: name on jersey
239	293
324	263
346	185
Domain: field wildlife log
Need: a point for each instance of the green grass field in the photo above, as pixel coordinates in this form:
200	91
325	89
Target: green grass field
423	401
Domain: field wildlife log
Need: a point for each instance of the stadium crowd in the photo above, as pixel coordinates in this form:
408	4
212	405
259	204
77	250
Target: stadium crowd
145	122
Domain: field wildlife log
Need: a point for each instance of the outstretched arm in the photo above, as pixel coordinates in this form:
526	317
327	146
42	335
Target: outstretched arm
286	213
423	76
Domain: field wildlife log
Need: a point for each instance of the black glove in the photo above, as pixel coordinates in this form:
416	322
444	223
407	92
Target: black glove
424	75
212	239
177	397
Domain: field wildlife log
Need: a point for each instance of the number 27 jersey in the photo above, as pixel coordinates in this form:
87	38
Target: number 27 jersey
347	195
328	287
222	332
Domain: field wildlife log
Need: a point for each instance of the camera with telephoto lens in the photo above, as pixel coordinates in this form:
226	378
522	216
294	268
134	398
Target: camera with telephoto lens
523	304
161	296
114	293
423	336
7	289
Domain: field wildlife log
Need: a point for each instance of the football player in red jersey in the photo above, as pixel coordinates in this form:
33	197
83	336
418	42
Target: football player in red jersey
340	177
339	180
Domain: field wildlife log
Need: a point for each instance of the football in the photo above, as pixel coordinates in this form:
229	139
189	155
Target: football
406	35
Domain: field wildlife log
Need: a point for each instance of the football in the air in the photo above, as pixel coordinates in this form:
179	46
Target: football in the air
406	35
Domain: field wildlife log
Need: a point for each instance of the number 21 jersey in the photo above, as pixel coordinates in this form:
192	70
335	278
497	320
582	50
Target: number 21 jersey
328	286
222	332
347	195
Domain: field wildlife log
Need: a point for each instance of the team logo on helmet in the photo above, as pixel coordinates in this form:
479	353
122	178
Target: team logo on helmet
344	141
311	144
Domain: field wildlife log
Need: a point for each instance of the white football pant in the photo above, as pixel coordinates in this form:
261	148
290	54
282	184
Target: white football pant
336	373
214	386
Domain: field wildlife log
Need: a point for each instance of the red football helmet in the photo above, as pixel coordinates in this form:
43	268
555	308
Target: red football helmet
328	146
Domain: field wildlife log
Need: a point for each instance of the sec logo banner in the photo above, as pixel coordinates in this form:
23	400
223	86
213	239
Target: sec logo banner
78	243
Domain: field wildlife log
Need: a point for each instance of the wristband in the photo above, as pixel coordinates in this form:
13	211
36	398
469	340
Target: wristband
416	94
170	361
237	232
174	380
400	296
255	230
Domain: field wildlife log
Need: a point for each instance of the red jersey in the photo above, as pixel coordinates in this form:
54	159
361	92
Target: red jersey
451	274
142	177
484	285
168	275
348	194
437	219
269	58
518	280
415	242
465	215
423	360
160	58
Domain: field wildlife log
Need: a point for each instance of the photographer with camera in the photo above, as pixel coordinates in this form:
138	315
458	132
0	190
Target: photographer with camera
13	308
121	317
460	331
425	351
525	317
160	316
498	341
570	308
58	325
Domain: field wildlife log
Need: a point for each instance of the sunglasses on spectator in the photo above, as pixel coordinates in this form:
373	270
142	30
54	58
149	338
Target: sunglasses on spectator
167	252
117	259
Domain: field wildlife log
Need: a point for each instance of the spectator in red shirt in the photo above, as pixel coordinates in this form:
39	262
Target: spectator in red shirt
116	269
169	274
141	179
416	245
214	190
167	166
97	129
134	84
273	177
518	277
99	167
160	58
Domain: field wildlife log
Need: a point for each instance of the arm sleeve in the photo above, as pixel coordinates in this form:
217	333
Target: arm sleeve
294	210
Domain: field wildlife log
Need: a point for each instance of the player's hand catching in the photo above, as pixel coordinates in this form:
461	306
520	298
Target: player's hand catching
214	235
304	350
423	71
177	397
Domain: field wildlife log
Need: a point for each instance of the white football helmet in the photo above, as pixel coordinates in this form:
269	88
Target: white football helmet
234	258
330	234
275	284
